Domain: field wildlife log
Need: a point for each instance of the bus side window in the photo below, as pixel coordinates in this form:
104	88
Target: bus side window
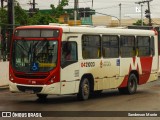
127	46
143	45
91	46
110	46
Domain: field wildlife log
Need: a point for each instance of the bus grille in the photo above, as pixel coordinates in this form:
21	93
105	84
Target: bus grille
34	89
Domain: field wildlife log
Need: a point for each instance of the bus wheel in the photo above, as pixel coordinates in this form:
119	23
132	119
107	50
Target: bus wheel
42	96
131	85
84	89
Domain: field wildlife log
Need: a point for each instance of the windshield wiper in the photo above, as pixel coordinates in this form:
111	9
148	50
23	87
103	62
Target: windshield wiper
21	46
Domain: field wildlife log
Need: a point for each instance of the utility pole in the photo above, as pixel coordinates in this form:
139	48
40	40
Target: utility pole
11	23
75	11
92	14
33	6
10	12
150	22
120	11
141	15
148	11
140	3
2	5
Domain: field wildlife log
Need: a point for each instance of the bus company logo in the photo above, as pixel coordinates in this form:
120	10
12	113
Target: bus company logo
106	63
88	64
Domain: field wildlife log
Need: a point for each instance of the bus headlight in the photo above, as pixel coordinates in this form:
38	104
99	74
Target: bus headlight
11	78
53	79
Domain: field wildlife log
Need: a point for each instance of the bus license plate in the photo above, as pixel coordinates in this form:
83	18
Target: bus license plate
29	91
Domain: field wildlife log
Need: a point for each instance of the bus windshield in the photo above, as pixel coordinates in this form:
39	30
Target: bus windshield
34	56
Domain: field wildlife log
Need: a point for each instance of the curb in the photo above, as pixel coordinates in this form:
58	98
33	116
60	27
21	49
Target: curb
4	87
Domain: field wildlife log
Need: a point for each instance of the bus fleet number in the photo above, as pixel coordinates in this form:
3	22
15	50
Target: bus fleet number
87	64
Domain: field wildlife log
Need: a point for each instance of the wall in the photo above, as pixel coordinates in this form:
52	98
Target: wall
4	73
109	22
101	20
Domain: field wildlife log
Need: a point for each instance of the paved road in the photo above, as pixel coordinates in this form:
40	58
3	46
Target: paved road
147	98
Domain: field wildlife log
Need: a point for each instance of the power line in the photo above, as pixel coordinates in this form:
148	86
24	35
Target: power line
106	7
86	3
80	2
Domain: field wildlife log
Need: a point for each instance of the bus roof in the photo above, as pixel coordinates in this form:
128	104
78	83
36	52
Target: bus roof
91	30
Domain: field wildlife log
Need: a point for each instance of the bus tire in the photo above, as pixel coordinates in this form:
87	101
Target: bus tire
42	96
131	85
84	89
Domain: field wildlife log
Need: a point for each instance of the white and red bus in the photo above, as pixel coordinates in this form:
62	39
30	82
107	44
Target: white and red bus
81	60
156	28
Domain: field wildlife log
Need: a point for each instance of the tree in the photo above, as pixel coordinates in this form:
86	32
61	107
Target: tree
21	16
3	16
40	19
139	23
59	10
44	19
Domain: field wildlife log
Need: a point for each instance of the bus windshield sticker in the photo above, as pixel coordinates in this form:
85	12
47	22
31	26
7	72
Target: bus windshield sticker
34	66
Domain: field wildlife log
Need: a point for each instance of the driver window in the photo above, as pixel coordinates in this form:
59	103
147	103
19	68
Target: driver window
69	51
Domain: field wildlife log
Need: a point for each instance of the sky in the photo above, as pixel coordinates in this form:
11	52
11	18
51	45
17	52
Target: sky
129	9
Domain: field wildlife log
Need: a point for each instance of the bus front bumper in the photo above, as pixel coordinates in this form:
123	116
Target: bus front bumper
35	89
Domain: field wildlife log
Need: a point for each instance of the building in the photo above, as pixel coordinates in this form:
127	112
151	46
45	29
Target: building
96	20
109	22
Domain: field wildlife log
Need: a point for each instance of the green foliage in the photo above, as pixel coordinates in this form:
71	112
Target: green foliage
45	19
40	19
3	16
139	23
57	11
23	18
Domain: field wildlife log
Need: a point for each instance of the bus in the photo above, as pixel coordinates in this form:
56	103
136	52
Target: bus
63	60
